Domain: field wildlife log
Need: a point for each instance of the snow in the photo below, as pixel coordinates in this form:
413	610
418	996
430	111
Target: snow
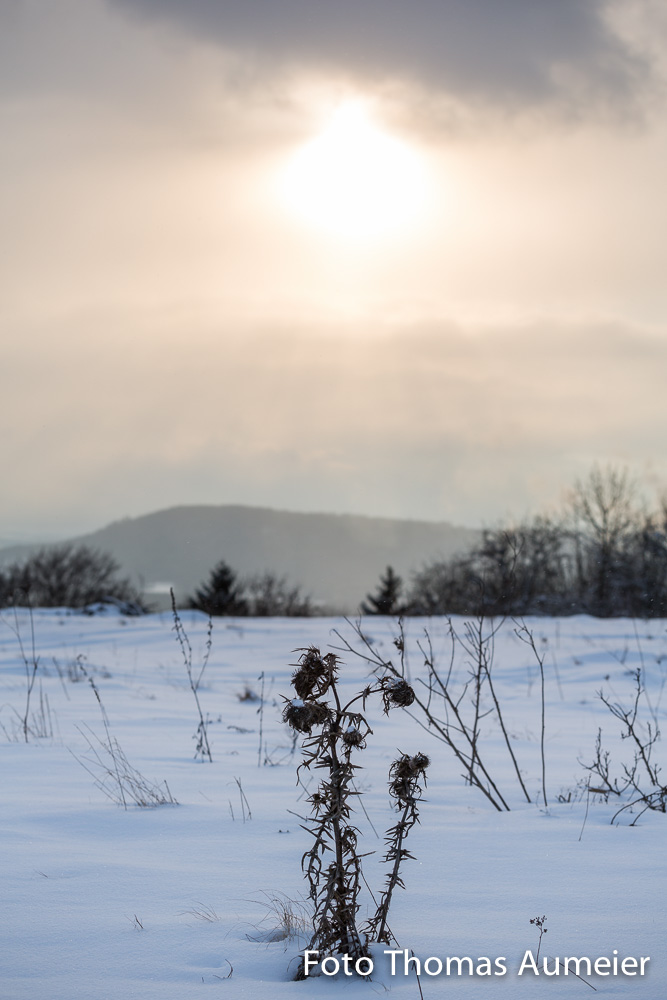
183	901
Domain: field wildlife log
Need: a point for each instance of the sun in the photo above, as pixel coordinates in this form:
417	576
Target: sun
354	180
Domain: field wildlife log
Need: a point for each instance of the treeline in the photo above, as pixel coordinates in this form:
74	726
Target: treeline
78	576
604	555
258	596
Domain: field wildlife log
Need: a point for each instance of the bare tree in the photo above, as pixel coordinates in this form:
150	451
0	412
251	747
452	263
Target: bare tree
71	576
268	594
605	516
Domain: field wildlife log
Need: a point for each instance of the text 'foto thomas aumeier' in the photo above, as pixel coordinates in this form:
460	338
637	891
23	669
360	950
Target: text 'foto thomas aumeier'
403	963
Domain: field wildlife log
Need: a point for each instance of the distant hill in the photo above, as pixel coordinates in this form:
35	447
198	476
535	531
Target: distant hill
336	558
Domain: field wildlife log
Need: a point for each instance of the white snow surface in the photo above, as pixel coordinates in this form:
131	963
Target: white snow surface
179	901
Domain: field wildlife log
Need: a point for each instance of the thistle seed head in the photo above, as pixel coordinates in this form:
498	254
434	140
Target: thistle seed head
353	738
315	673
404	775
302	716
396	692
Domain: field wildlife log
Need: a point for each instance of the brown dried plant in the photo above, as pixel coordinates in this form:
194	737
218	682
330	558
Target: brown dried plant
332	865
405	786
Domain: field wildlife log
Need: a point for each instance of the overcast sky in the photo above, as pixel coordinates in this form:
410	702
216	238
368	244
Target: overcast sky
404	259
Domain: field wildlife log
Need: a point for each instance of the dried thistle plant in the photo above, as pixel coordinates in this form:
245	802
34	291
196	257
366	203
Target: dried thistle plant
405	786
334	732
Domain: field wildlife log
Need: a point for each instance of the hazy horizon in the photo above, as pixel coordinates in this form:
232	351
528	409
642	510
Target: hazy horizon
390	260
65	535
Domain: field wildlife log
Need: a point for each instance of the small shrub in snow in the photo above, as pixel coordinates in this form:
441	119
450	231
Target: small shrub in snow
452	710
638	787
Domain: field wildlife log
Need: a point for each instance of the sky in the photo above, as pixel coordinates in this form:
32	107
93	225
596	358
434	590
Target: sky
389	258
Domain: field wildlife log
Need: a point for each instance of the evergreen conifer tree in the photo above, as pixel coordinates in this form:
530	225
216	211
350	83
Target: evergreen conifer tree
386	599
222	595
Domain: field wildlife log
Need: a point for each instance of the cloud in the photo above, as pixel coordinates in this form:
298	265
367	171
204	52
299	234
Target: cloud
503	51
432	420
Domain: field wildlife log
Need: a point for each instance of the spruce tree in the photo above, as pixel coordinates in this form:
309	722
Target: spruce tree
222	595
386	599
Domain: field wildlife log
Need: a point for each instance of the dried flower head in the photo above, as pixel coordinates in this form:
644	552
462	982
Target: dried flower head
396	692
302	716
315	673
405	774
352	737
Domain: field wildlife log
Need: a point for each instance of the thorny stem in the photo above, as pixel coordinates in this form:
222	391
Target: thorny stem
339	774
393	879
404	786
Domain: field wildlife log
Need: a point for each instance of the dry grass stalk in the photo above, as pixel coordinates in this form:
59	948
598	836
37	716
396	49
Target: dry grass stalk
114	775
203	749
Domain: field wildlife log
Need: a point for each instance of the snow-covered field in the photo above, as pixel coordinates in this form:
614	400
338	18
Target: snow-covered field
185	901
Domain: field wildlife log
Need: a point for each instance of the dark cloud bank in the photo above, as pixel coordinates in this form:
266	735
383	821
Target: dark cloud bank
512	50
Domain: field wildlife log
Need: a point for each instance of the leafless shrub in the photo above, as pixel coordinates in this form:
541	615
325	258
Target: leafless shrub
639	782
268	594
450	712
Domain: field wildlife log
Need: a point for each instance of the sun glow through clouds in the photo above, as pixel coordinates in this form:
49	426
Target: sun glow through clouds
354	181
